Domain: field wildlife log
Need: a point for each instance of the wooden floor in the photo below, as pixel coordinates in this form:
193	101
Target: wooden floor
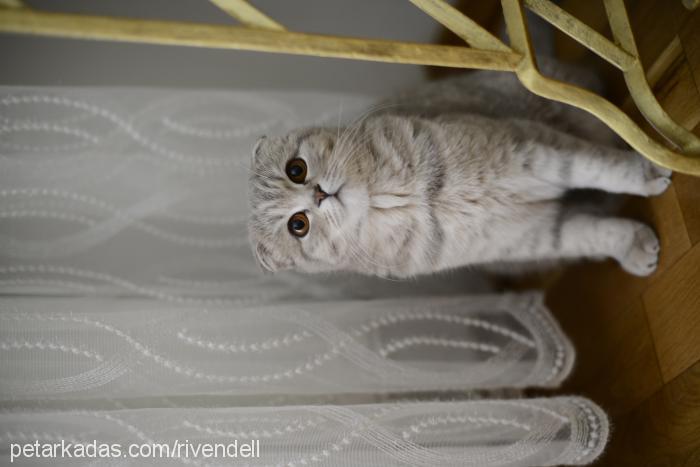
638	340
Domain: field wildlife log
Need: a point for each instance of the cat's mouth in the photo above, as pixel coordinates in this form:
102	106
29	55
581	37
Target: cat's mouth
320	195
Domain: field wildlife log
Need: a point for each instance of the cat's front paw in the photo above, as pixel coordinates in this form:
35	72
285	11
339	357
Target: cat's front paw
642	256
657	179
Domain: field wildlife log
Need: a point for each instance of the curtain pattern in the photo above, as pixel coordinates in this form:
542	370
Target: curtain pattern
131	309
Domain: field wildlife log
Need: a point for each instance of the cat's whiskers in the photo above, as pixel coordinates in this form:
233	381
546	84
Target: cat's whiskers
340	113
341	157
350	132
358	252
344	157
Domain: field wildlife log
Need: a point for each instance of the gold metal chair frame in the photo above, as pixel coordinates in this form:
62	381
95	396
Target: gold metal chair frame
485	51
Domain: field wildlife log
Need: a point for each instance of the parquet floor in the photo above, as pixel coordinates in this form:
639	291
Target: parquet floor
638	340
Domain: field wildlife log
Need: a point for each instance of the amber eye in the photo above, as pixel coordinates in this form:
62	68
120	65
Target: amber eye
298	224
296	170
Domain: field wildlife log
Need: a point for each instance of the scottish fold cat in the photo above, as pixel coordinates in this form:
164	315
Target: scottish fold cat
466	171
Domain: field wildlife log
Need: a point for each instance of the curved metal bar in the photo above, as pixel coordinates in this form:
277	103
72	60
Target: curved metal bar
460	24
247	14
607	112
581	33
638	86
26	21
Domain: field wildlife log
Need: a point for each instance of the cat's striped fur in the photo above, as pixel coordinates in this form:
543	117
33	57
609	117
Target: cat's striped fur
462	172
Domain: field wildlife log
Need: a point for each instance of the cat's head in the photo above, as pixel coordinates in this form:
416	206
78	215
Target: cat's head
307	197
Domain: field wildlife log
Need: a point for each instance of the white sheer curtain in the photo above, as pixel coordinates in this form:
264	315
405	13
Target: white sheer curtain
131	309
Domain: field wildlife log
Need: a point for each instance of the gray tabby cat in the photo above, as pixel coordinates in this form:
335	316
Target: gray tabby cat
460	172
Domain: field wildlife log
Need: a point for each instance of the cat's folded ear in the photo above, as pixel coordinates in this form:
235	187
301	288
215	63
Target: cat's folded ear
258	146
263	258
266	260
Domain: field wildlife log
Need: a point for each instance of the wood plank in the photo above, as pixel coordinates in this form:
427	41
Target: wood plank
616	363
689	36
664	431
688	190
672	303
672	53
655	23
677	93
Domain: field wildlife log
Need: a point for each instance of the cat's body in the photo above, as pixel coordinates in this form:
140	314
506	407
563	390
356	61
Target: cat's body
462	172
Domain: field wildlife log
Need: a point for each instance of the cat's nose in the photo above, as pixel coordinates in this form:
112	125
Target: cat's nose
319	195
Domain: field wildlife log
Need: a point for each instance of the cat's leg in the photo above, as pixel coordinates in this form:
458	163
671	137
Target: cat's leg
633	244
569	162
552	233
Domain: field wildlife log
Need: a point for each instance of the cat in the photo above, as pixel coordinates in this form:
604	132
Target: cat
466	171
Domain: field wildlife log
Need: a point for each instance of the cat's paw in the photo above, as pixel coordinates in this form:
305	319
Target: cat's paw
642	256
656	179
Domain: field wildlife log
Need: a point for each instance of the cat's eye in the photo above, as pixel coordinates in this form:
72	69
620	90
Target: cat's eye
296	170
298	224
